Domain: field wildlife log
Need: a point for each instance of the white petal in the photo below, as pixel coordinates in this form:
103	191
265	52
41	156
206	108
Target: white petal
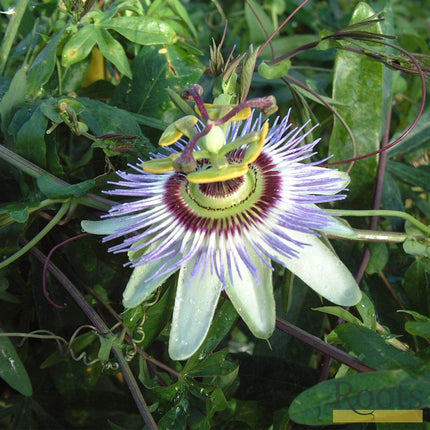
322	270
344	179
252	298
195	304
106	226
138	288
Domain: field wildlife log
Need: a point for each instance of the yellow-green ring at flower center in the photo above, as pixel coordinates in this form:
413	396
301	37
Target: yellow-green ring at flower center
224	198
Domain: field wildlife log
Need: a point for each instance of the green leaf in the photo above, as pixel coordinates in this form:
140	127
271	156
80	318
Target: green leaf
30	139
180	10
51	110
11	368
214	399
419	247
218	401
416	285
17	211
79	46
143	30
106	344
212	365
229	79
175	418
339	312
256	32
418	328
392	389
315	99
54	190
251	415
417	139
157	316
43	65
326	42
180	103
373	349
379	256
247	72
392	199
163	67
23	416
417	176
14	97
358	81
170	393
114	426
274	71
132	317
4	295
367	312
417	316
20	216
104	119
112	51
72	104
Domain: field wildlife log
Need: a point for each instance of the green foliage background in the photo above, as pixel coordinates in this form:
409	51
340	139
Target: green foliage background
71	358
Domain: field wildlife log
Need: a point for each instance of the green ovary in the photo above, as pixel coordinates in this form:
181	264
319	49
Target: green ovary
213	141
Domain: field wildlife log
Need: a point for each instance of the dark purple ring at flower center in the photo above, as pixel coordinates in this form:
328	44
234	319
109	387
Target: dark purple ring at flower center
215	206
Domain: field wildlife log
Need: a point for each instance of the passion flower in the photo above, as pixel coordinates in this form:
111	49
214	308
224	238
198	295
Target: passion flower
249	199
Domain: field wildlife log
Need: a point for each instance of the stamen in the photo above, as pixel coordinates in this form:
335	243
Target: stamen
176	130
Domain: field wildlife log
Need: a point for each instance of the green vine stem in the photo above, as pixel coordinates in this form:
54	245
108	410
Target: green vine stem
34	335
37	334
35	171
12	30
42	233
374	236
424	228
6	219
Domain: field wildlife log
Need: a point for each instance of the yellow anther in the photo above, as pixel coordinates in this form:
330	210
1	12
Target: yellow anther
214	111
254	149
160	165
243	114
177	129
170	135
217	175
218	111
186	125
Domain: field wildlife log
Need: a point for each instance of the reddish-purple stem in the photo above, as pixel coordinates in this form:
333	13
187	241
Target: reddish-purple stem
373	225
260	103
45	268
320	345
269	40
